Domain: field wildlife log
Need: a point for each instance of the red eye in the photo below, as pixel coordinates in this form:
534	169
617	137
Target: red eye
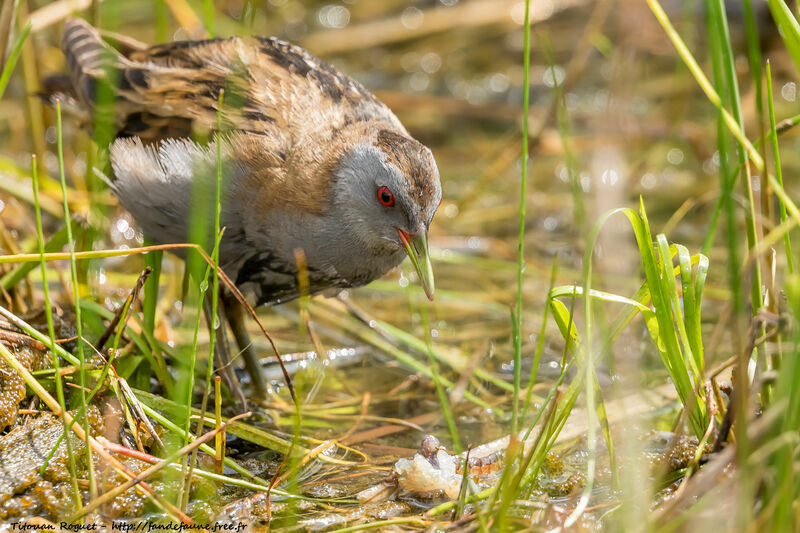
385	196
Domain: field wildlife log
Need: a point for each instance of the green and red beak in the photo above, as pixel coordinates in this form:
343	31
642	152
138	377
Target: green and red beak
417	249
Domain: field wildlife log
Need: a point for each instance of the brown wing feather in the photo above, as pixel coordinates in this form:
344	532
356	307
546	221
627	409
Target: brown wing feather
271	87
268	76
279	100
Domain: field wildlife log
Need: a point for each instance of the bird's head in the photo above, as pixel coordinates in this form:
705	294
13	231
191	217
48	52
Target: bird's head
388	189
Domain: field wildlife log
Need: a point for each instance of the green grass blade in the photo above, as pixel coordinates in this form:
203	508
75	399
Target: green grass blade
726	203
722	36
56	242
661	324
242	430
670	286
521	242
539	342
702	80
76	298
5	76
369	336
441	393
150	298
563	319
776	157
691	309
788	28
142	342
446	355
52	336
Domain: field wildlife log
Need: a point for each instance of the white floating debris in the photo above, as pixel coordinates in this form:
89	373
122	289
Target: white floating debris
419	475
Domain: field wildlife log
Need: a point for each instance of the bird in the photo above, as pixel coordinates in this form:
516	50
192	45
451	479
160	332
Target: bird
310	160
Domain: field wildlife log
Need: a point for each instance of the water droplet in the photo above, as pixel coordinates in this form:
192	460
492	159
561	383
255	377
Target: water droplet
418	81
675	156
553	76
333	16
518	13
609	177
709	167
51	162
562	172
477	94
410	61
430	62
789	91
600	100
458	87
412	18
499	82
79	167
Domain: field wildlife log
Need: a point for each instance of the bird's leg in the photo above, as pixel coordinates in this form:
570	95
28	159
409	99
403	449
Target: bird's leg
235	315
222	353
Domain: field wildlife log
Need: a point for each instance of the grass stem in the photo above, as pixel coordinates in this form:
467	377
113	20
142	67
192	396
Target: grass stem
521	242
76	297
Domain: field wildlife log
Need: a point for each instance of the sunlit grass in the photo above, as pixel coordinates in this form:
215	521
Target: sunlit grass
16	51
51	330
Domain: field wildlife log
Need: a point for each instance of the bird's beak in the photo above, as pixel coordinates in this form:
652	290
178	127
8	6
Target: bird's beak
417	250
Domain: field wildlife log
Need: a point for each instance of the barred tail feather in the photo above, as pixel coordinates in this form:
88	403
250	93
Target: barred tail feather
87	57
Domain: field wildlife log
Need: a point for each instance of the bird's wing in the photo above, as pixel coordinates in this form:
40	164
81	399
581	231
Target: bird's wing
171	90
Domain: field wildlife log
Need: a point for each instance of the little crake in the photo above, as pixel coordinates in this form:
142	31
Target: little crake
311	160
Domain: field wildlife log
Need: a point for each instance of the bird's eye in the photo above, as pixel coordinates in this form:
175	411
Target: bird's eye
385	196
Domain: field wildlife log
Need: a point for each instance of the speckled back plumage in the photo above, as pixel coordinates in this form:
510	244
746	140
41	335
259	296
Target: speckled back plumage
288	121
270	87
